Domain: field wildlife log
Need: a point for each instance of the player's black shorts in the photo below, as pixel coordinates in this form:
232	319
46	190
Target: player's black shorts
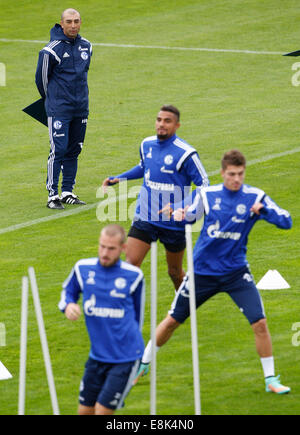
239	285
107	384
173	240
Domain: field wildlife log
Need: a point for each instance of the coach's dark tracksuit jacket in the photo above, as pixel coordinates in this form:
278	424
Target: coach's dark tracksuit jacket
61	74
61	78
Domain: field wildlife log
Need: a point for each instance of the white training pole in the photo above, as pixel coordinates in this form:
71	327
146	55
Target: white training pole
43	337
23	346
191	284
153	327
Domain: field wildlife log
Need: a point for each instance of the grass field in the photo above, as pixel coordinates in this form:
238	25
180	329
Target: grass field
238	98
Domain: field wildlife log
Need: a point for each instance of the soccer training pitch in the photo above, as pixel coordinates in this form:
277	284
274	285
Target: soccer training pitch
221	63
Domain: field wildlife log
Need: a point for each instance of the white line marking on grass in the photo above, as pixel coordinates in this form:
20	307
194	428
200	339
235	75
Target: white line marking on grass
58	215
265	159
84	208
156	47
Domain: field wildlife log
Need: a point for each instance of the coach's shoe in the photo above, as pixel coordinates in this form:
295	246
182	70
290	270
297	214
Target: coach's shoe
71	198
142	371
273	385
54	203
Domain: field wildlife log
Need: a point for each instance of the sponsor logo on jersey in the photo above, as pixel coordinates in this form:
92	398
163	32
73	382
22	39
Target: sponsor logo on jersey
237	220
91	310
166	171
214	232
115	294
158	186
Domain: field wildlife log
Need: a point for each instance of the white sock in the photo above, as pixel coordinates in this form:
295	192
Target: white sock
147	353
268	366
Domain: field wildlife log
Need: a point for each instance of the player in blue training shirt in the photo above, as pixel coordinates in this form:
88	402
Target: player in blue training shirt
220	265
169	166
113	304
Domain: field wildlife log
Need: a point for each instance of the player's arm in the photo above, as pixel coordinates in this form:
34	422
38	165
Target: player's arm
45	65
268	210
133	174
192	208
196	171
191	212
72	311
69	297
170	208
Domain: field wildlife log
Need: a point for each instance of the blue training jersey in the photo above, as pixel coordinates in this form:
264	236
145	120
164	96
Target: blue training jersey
113	300
222	245
169	167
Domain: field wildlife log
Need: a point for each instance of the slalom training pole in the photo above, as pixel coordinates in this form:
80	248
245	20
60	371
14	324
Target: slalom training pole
43	337
192	299
23	346
153	327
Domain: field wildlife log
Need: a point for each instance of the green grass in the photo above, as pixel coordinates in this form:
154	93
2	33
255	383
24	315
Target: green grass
227	100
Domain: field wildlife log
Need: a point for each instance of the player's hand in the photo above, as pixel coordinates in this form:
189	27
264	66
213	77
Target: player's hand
108	182
166	210
180	213
72	311
256	208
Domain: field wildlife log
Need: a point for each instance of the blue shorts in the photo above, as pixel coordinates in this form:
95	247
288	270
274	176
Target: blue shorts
238	284
173	240
107	384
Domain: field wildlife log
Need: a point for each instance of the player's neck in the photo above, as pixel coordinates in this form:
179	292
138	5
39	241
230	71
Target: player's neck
232	191
166	139
115	263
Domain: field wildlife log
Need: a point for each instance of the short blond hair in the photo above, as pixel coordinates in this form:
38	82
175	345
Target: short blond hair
113	230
